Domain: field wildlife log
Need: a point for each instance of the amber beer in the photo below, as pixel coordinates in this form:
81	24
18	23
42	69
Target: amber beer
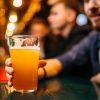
25	58
25	63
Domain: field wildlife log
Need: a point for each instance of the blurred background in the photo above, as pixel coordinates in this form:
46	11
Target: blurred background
19	16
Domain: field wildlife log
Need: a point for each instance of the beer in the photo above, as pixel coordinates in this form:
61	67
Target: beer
25	63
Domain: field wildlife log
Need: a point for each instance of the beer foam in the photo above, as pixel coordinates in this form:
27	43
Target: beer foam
27	47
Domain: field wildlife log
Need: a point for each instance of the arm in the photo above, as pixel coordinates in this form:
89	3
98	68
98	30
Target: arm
77	56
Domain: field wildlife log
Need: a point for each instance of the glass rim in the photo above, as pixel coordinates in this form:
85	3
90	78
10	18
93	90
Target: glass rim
24	36
23	40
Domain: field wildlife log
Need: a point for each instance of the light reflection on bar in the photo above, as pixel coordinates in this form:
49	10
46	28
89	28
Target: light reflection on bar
50	87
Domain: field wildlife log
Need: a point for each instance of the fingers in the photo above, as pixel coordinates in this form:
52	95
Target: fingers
9	70
40	73
92	79
96	78
42	63
9	83
8	62
9	77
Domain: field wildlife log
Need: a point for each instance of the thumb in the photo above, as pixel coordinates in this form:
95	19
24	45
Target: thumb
42	63
96	78
93	79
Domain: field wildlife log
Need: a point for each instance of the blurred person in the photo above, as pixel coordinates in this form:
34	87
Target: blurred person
55	32
51	2
39	27
85	51
64	31
63	15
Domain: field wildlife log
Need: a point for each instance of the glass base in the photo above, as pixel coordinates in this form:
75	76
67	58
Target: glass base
25	91
21	90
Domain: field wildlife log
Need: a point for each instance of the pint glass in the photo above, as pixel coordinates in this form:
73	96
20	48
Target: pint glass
24	52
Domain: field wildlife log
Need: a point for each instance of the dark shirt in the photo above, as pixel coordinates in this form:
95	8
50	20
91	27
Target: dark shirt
55	46
81	54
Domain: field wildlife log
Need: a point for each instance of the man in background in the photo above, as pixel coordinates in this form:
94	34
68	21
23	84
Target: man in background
64	31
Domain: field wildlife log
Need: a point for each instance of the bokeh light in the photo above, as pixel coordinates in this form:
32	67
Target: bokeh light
82	20
11	26
17	3
13	18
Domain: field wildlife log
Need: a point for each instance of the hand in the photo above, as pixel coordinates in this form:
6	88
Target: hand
52	68
96	78
10	70
42	63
